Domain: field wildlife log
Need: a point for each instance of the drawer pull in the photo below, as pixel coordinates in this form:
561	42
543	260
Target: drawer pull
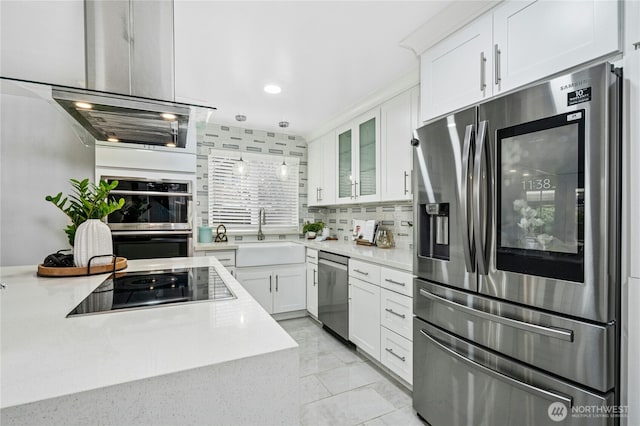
224	260
391	311
311	257
395	282
360	272
401	358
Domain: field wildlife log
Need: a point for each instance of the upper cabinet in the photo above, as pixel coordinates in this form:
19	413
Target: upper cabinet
456	71
321	173
398	119
358	159
515	44
43	41
534	39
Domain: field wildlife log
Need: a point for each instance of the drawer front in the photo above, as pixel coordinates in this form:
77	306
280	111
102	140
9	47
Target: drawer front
401	282
396	353
513	331
396	313
312	256
226	257
364	271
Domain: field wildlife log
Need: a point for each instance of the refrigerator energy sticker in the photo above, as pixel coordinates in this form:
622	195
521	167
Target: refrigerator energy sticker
579	96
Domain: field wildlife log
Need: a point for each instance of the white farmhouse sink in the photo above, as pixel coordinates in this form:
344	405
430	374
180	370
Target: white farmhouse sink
276	253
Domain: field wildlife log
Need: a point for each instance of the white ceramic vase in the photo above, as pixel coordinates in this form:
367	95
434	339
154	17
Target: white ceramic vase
93	238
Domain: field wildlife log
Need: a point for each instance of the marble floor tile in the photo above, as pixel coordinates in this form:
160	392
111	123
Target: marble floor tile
315	362
404	416
347	408
312	389
349	377
399	396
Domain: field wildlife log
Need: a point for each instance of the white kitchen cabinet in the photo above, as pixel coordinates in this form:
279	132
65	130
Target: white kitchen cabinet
396	313
364	316
43	41
396	353
312	289
322	171
535	39
398	119
456	72
312	281
277	288
358	154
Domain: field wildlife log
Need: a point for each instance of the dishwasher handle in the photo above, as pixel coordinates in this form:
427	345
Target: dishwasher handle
333	264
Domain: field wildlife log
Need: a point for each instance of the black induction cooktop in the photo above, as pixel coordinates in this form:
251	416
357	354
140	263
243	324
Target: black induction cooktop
148	289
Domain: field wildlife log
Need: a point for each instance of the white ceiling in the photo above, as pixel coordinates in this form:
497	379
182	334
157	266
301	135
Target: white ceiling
326	56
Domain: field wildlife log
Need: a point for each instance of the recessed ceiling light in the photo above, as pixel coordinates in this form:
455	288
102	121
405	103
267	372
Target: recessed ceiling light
83	105
272	88
283	124
241	117
168	116
113	140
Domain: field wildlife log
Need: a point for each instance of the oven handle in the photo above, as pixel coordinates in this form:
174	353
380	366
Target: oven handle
152	193
546	394
558	333
153	233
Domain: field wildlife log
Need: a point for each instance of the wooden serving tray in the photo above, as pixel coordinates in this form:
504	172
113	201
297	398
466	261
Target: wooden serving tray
48	271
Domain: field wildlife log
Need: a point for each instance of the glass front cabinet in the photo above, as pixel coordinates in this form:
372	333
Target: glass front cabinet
358	153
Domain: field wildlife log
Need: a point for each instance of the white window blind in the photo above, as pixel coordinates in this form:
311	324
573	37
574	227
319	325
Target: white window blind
236	200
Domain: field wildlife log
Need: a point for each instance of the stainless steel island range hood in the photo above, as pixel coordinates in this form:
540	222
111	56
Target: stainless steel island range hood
130	75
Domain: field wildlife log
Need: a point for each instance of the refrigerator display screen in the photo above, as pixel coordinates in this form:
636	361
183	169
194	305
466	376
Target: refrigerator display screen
541	197
538	186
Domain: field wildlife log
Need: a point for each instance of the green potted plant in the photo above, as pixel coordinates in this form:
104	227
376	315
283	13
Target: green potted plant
87	206
312	229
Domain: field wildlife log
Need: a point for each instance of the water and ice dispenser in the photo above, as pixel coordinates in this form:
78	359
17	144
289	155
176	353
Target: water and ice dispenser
434	230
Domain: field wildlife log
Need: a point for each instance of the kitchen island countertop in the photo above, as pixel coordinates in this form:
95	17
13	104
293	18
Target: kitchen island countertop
47	355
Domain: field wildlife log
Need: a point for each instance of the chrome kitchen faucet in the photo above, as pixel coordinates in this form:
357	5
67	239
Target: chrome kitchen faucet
261	221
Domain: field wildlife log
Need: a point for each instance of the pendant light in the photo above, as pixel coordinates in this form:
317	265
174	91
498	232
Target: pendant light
241	168
283	171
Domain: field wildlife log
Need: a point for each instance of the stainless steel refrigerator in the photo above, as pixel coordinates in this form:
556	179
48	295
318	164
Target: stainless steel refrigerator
517	215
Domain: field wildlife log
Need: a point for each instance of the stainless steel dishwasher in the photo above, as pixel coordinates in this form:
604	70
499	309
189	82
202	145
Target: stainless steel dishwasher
333	293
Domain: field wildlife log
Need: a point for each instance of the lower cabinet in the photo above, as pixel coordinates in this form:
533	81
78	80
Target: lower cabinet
278	289
364	316
396	354
312	289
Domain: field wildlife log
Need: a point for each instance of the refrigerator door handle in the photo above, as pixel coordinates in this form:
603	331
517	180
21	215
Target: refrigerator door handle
463	200
543	393
558	333
482	211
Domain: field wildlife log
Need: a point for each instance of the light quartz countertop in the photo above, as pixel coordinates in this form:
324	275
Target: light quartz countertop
393	257
46	355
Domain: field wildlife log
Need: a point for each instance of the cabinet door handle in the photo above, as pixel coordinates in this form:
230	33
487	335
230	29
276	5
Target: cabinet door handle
401	358
317	194
391	311
320	192
352	191
224	260
394	282
496	51
269	283
405	182
276	283
360	272
483	61
314	277
356	191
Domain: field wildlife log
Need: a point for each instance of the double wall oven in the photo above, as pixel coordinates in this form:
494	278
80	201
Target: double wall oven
517	257
155	220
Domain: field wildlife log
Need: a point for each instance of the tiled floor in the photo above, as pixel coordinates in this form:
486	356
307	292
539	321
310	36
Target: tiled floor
339	387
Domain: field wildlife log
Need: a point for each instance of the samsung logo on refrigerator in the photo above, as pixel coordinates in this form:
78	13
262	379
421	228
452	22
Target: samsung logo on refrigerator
576	84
